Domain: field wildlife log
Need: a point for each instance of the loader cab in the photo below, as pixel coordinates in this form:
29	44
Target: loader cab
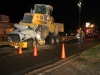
40	9
42	14
46	10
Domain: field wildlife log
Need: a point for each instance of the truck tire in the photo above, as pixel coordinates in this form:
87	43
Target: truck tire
30	44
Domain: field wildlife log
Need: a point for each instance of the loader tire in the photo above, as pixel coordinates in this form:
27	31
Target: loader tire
52	40
57	40
44	32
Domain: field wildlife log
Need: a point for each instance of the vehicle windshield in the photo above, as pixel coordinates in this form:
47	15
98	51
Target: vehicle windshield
27	18
40	9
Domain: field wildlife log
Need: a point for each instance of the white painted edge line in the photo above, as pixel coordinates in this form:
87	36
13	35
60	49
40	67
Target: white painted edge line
52	66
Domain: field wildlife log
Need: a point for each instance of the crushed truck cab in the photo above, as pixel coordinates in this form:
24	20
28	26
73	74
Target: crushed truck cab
36	28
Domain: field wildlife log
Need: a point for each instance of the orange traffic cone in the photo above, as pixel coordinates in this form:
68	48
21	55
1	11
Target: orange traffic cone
20	49
63	52
35	51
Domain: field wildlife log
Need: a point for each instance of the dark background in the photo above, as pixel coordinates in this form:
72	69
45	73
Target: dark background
65	11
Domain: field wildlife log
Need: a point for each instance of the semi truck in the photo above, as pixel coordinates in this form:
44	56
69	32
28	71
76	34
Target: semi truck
36	28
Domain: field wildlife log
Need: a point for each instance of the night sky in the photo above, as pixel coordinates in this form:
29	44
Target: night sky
65	11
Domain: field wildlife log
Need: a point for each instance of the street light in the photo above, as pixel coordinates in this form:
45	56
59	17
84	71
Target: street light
79	5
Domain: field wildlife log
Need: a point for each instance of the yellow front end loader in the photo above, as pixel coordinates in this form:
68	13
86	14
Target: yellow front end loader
37	27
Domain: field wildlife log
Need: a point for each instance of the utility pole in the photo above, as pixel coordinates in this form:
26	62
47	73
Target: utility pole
79	5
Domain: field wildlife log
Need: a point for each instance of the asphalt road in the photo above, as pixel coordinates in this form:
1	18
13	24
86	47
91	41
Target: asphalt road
11	63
